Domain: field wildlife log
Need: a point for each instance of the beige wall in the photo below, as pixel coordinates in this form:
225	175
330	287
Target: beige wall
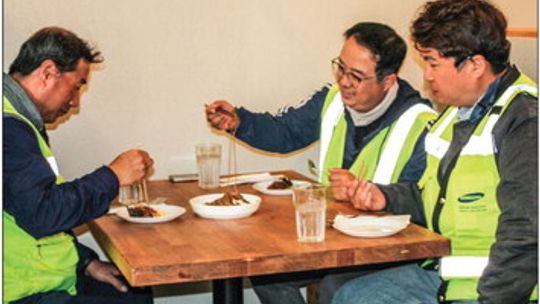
165	59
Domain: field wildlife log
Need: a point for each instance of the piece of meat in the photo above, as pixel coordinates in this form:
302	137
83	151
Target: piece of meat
281	184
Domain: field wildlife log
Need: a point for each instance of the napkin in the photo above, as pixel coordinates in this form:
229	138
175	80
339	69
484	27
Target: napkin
246	178
368	225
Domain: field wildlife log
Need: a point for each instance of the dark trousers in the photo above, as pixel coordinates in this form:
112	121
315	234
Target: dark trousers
90	291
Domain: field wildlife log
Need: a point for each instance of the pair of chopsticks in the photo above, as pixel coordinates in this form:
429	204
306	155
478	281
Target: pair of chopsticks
144	190
232	148
362	169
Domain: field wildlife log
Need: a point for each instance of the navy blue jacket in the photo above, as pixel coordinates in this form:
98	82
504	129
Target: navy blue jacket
297	127
30	194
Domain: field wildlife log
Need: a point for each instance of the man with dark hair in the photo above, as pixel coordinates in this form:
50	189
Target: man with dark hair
369	121
43	262
480	186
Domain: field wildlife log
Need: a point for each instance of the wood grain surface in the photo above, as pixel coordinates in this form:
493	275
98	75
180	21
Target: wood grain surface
191	248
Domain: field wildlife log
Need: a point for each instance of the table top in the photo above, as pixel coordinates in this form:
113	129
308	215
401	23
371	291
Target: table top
191	248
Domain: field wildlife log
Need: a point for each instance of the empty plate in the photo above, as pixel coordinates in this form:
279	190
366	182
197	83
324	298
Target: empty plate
371	226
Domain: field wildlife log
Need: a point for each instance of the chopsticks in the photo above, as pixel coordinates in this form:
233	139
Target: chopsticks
144	190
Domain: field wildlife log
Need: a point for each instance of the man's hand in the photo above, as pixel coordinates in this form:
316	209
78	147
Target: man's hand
222	115
105	272
365	195
340	180
131	166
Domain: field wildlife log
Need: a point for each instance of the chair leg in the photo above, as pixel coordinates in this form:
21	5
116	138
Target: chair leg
311	293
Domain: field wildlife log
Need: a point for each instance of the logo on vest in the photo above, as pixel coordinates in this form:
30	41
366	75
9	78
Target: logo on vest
470	197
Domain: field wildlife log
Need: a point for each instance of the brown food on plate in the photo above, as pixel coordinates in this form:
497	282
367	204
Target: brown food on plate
143	210
281	184
229	199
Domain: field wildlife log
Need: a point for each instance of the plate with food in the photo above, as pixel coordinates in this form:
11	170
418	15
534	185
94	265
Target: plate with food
148	214
229	205
280	186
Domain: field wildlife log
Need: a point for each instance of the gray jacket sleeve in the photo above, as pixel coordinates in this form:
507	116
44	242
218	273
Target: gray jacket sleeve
512	271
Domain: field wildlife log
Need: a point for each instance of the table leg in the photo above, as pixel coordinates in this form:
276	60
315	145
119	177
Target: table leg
228	291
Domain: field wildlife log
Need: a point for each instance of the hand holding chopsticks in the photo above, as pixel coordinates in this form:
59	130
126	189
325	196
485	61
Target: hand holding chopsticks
341	179
363	194
222	115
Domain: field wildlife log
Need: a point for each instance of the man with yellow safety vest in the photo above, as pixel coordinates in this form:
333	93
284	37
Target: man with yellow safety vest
480	186
369	121
42	260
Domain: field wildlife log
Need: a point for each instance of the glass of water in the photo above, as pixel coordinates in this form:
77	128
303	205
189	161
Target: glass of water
208	164
310	207
131	194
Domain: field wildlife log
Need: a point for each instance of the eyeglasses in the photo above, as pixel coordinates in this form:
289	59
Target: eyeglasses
340	70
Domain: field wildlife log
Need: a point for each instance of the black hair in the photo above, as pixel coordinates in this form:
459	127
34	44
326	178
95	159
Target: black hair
60	45
386	45
463	28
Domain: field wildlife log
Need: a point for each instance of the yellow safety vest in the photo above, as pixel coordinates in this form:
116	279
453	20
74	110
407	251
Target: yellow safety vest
469	210
36	265
385	155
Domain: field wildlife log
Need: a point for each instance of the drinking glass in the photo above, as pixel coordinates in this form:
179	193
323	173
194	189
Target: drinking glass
131	194
208	164
310	208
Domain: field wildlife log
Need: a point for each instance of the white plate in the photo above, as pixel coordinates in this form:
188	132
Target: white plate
371	226
263	187
199	206
170	213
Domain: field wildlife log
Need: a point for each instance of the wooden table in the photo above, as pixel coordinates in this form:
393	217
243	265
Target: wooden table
191	248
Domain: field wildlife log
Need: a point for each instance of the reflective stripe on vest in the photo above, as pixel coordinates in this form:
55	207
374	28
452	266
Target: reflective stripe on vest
329	121
54	166
385	155
470	212
36	265
435	145
396	140
462	266
477	145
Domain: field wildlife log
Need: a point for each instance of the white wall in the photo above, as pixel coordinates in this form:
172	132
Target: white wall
165	59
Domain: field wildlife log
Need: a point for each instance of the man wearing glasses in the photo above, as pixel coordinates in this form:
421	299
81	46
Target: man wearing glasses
370	121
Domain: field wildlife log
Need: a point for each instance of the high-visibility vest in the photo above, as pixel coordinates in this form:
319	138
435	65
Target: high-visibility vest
468	212
36	265
384	156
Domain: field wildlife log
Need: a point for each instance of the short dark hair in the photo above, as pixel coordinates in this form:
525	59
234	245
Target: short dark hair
60	45
463	28
386	45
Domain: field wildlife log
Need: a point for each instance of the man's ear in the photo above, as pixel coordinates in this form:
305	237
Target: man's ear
479	65
47	70
389	81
